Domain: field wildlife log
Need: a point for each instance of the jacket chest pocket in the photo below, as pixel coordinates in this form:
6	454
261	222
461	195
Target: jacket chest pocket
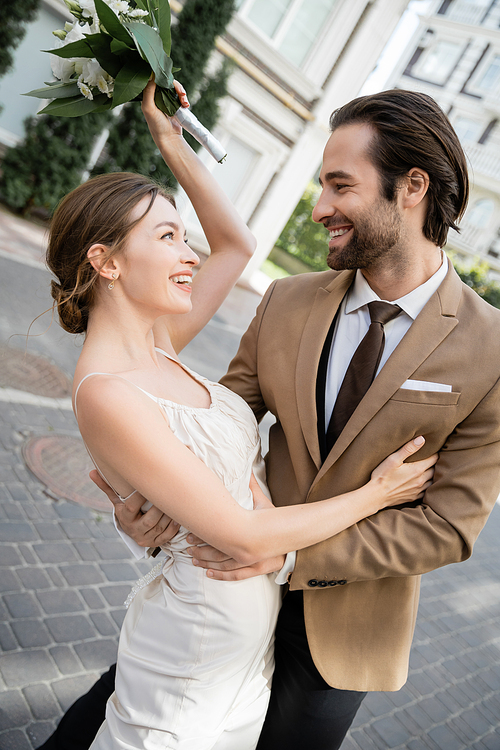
433	414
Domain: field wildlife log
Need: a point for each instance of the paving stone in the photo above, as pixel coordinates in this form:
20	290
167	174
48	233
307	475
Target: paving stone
14	710
9	555
103	623
7	640
26	667
434	709
110	549
57	602
72	510
492	740
80	574
54	553
9	581
414	718
464	731
41	701
391	731
66	661
15	740
22	605
14	512
118	616
86	551
75	529
98	654
119	571
115	595
18	492
33	578
49	531
31	633
93	599
28	555
39	731
445	738
69	628
55	577
12	531
71	688
492	678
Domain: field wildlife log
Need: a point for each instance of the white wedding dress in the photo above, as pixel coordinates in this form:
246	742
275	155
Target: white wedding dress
195	657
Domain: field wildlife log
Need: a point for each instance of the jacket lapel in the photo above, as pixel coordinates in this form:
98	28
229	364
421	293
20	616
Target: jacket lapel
431	327
321	315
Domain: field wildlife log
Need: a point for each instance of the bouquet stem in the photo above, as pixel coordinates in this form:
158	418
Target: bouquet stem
192	125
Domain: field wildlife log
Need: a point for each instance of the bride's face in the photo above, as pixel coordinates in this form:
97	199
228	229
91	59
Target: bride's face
156	266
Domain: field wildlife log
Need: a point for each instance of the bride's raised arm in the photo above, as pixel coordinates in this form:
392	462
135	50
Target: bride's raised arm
231	242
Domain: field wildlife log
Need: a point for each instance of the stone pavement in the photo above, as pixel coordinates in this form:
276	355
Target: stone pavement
65	575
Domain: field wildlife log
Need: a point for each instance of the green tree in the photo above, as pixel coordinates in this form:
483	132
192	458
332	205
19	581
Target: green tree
13	19
302	237
475	275
129	146
49	162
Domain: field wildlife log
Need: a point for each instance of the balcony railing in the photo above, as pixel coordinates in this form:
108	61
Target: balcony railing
484	161
467	13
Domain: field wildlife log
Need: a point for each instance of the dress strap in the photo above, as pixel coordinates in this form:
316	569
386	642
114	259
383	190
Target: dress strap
90	374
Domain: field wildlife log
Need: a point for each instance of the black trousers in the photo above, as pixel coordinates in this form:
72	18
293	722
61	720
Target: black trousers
304	713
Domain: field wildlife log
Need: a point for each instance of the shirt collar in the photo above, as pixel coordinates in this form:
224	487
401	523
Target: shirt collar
412	303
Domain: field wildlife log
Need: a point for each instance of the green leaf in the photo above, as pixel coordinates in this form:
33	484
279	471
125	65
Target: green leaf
164	25
166	100
74	107
74	49
141	4
130	82
111	22
151	45
58	91
100	45
117	47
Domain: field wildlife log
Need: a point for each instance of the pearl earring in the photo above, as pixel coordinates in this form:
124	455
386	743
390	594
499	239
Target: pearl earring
112	283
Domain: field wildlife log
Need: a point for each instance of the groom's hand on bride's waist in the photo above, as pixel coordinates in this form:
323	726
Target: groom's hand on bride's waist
223	568
150	529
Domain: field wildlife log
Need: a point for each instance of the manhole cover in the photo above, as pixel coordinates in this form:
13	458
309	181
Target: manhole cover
62	463
32	373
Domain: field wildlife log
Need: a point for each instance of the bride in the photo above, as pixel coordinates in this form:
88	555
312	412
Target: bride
195	655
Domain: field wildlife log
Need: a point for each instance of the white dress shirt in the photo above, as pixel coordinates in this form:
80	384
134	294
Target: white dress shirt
352	325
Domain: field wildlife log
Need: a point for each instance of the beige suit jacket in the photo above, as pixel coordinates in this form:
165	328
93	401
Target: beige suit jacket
360	630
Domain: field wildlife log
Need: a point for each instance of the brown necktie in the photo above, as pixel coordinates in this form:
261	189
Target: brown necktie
362	369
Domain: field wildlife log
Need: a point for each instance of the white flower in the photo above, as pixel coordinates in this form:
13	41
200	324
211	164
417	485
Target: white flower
92	71
62	68
87	93
118	6
137	13
88	5
77	32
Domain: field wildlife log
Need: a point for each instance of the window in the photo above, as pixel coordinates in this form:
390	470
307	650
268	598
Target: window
439	61
467	129
491	76
292	26
480	214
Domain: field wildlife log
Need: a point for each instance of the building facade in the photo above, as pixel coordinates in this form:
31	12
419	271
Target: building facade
455	57
295	61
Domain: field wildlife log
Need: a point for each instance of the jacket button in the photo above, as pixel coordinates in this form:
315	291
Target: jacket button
312	582
332	583
322	584
342	582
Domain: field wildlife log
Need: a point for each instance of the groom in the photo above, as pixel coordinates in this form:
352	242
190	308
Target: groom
394	181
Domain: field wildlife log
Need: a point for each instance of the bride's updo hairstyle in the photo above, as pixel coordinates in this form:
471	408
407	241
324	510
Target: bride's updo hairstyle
97	212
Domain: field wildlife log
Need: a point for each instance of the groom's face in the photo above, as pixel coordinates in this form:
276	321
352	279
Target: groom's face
363	225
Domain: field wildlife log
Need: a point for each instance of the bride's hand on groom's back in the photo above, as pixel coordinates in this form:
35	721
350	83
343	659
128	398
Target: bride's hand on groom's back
223	568
150	529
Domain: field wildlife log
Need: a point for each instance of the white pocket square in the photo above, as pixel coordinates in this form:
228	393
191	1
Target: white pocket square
426	385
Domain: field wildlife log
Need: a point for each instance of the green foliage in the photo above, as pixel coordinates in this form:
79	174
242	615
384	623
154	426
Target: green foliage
130	147
302	237
49	162
475	275
13	19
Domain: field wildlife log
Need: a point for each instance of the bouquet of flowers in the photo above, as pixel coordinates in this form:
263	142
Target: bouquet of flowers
107	56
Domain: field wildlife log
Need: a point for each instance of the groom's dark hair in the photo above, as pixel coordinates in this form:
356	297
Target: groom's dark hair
411	130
